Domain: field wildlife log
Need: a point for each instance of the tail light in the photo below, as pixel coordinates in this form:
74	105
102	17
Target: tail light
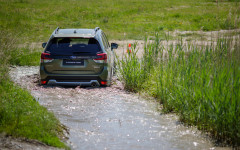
43	82
45	57
103	82
101	58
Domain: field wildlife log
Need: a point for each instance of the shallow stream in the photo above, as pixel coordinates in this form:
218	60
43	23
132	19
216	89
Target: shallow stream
111	118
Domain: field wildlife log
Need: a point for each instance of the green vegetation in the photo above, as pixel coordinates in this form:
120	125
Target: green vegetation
35	20
201	84
25	57
20	114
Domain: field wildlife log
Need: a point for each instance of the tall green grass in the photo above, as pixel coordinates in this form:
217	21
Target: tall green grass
20	114
200	83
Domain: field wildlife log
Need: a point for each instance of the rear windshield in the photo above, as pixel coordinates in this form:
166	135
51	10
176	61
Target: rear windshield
74	46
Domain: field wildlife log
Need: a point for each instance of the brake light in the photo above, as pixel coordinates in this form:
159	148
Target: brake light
45	57
102	58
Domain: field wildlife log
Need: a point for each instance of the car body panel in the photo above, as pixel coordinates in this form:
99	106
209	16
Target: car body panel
76	65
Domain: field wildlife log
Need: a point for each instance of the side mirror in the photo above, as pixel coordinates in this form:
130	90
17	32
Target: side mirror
114	46
44	44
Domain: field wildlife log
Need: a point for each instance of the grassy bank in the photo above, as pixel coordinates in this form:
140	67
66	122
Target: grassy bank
20	114
200	83
35	20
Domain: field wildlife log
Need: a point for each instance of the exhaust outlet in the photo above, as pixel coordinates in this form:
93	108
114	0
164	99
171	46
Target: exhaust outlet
94	84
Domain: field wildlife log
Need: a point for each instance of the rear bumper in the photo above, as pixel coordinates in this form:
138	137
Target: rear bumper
74	80
93	83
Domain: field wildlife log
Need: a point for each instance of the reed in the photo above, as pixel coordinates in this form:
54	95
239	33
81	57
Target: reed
200	83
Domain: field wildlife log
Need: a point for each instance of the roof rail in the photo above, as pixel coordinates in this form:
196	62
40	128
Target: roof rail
56	30
96	29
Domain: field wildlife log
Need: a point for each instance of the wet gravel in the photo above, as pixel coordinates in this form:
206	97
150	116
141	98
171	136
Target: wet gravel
111	118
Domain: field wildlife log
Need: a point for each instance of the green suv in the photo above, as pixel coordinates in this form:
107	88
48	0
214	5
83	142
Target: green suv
77	57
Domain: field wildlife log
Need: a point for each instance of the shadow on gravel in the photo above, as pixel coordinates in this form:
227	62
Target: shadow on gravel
35	79
69	87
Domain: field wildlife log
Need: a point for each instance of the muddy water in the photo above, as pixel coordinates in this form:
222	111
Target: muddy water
110	118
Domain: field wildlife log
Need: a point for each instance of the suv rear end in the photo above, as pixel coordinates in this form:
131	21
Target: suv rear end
76	57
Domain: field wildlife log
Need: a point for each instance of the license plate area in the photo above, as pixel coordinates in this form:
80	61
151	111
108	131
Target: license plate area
76	62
